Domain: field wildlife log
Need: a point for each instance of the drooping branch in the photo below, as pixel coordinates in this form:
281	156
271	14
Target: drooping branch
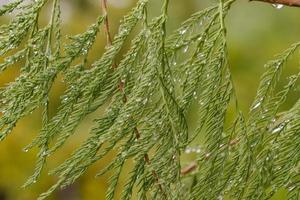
121	89
293	3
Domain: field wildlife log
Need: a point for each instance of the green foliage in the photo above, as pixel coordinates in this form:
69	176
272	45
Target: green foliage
146	97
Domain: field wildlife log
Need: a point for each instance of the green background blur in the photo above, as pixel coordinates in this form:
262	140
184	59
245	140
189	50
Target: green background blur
256	32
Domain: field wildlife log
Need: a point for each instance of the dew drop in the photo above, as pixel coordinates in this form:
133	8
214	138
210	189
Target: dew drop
200	55
188	150
256	105
183	31
220	197
84	51
8	60
207	155
277	6
145	101
65	100
123	155
291	188
185	49
278	129
195	95
138	100
267	158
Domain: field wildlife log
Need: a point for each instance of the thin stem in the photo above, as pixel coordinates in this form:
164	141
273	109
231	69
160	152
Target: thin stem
221	14
165	7
188	169
106	22
51	26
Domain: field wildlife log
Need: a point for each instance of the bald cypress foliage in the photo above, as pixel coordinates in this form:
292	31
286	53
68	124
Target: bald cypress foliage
146	96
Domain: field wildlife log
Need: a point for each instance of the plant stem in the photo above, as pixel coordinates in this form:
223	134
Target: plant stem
293	3
106	23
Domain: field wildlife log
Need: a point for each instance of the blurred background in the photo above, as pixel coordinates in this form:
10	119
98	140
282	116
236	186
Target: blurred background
256	33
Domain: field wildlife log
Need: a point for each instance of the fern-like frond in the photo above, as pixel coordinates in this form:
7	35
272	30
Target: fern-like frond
145	99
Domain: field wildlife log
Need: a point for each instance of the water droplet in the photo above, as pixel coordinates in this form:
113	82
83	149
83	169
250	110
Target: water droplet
188	150
25	150
207	155
201	103
197	150
278	129
145	101
124	31
84	51
8	59
124	154
195	95
277	6
138	99
200	55
256	105
65	100
291	188
185	49
187	72
220	197
183	31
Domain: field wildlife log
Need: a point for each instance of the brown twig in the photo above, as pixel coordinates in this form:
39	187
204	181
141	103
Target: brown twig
188	169
121	86
293	3
106	23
